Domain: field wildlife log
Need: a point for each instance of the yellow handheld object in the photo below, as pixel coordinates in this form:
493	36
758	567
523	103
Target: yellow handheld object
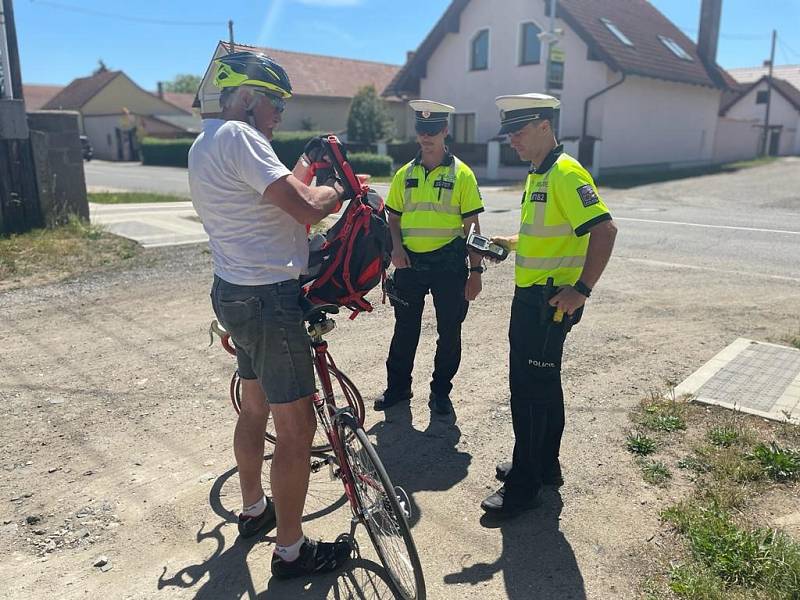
558	316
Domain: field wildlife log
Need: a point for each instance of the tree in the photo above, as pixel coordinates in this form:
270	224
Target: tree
183	84
369	120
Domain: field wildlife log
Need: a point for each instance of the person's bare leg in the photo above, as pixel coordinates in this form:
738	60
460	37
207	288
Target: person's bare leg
295	424
248	440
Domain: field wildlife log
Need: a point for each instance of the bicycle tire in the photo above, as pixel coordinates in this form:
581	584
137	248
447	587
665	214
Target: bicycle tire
387	522
321	443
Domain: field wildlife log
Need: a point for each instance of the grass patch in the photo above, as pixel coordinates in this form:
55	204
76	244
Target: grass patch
694	463
728	555
779	464
52	254
640	444
655	472
723	435
132	197
660	414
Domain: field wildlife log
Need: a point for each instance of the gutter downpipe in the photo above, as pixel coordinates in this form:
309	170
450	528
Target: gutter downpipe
592	97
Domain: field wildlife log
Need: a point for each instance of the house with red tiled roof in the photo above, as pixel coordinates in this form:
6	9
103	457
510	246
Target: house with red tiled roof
323	88
37	95
115	113
746	107
635	91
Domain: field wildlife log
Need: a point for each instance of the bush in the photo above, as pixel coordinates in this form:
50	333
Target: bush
371	164
166	153
369	120
289	145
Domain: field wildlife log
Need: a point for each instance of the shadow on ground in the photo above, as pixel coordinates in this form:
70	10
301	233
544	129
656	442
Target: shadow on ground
536	563
226	574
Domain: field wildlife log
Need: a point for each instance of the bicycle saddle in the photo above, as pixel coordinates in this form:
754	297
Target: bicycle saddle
316	312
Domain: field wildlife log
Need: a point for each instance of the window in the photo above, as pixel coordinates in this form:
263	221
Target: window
479	57
617	33
531	47
463	128
762	97
675	48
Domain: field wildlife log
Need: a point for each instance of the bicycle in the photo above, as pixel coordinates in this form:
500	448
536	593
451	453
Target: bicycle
382	508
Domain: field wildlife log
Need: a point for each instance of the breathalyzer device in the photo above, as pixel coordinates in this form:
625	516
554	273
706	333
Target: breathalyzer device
484	246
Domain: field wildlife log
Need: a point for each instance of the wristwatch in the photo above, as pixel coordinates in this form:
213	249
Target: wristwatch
478	269
582	288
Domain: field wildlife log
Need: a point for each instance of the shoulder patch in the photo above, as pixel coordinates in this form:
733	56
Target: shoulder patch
588	195
412	183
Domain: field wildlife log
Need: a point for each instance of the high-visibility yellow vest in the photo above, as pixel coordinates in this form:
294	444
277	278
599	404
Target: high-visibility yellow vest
560	204
432	207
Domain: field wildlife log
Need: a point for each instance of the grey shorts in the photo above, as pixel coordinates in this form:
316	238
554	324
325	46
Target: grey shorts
266	326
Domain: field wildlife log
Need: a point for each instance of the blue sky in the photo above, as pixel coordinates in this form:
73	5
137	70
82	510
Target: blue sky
63	39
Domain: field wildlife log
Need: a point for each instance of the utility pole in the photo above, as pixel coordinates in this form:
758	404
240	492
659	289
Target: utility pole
10	52
765	139
230	36
551	39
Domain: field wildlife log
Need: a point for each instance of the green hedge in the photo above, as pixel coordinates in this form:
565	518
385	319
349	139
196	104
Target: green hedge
166	153
289	145
370	164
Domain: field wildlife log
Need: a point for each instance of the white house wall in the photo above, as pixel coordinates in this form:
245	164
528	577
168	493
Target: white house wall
659	123
448	78
101	132
781	112
736	140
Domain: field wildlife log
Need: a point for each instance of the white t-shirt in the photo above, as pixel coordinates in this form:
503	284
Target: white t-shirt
252	241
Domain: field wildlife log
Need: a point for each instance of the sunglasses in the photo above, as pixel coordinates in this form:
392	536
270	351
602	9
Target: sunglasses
278	104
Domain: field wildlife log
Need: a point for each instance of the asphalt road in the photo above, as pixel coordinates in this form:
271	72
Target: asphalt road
744	223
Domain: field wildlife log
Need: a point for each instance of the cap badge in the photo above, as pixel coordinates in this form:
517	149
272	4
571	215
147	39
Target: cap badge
426	114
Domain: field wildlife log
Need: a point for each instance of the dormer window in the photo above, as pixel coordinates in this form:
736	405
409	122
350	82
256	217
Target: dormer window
675	48
479	53
616	31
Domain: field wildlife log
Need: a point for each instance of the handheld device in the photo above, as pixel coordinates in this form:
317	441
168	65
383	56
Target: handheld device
484	246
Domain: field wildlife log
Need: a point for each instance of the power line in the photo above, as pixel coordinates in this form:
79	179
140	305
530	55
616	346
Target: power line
119	17
786	48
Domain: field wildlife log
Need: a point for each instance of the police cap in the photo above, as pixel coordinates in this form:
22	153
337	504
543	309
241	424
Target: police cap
430	117
519	110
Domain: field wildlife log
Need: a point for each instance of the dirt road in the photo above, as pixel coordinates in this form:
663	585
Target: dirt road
117	432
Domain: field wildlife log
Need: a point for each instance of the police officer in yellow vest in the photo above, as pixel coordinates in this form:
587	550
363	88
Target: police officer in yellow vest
432	203
565	239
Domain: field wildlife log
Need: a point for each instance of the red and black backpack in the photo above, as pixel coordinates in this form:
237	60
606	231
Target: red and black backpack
350	259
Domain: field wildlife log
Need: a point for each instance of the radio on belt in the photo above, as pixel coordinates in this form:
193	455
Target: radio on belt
484	246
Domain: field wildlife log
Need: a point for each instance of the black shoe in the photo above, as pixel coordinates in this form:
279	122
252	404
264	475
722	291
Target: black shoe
315	557
500	506
389	399
551	479
440	404
250	526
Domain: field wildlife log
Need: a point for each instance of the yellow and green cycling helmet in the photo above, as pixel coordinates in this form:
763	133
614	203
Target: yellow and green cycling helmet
249	68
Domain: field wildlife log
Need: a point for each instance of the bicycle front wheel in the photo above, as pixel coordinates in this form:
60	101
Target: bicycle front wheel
383	511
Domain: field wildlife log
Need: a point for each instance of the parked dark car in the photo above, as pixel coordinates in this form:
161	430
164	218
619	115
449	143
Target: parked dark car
86	147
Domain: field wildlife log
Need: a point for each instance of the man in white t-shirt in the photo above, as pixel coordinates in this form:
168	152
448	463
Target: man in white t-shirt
255	212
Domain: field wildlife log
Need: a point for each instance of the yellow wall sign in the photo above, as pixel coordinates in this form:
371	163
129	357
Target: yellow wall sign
557	54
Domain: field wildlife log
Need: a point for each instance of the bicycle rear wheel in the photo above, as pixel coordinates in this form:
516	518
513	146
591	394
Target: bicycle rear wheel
342	388
381	512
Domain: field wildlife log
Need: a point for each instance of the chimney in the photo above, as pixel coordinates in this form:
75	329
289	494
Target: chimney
708	36
410	56
161	89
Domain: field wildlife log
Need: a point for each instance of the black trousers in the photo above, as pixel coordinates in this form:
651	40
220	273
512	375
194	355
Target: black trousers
447	289
537	398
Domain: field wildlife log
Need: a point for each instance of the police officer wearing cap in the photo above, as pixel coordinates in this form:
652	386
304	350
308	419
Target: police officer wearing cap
432	203
565	240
